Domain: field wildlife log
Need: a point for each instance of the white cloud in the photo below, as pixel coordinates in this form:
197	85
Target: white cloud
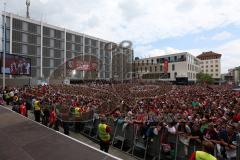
222	36
231	54
141	21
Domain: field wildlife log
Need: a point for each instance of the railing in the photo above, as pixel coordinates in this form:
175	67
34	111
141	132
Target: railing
128	139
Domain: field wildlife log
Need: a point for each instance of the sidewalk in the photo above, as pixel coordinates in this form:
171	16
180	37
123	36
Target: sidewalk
113	151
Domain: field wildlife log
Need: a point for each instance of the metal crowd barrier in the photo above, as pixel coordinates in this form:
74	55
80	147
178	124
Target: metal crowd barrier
130	140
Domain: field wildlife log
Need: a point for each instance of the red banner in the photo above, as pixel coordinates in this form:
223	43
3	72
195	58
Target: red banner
82	65
165	66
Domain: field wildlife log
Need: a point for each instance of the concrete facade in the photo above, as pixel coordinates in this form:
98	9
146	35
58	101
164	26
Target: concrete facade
50	46
211	64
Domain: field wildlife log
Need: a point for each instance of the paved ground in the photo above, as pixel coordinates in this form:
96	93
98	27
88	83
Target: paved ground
11	119
23	139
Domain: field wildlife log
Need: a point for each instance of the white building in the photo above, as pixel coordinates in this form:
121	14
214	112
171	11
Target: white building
211	64
180	65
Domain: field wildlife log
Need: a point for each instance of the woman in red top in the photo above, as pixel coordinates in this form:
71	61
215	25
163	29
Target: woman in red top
23	109
52	118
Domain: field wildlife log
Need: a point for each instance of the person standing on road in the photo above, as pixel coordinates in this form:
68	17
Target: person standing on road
37	110
23	109
104	135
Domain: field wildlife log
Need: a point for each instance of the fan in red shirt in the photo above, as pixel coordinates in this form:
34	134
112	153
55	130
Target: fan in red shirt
23	109
52	118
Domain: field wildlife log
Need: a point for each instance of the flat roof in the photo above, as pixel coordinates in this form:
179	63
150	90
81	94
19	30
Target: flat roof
167	55
24	139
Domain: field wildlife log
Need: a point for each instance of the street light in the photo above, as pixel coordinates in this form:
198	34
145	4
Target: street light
4	45
28	4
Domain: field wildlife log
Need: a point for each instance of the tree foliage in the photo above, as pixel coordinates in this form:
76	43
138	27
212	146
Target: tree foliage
204	78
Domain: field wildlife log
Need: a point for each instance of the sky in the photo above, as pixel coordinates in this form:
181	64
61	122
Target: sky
155	27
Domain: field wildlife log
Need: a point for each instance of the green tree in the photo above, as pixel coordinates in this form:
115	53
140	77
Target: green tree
204	78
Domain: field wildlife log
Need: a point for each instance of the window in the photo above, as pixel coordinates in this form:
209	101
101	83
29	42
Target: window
46	31
57	34
87	49
32	28
78	48
206	66
46	52
216	70
17	36
57	44
57	62
32	39
94	43
206	62
32	50
57	54
155	68
145	69
141	69
147	62
69	46
216	65
87	41
161	67
152	61
46	62
173	67
17	48
216	75
17	24
206	70
46	42
69	37
78	39
211	65
175	74
211	70
150	69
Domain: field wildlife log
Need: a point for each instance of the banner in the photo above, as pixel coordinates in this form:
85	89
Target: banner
165	66
81	65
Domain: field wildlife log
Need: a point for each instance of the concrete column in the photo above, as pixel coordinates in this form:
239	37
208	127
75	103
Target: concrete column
65	53
41	52
10	36
83	55
11	21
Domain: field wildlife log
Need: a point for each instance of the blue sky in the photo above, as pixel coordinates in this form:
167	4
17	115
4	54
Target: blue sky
156	27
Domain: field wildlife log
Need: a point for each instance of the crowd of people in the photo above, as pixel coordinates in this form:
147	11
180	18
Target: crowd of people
201	113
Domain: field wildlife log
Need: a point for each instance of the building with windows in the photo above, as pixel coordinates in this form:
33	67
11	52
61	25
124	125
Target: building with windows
49	47
233	76
211	64
179	65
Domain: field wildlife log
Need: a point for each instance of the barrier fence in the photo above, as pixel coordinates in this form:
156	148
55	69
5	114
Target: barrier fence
139	142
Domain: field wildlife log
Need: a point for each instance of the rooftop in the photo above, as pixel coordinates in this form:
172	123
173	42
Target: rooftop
209	55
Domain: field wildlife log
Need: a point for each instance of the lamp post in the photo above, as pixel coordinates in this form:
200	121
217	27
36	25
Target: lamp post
4	46
27	4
